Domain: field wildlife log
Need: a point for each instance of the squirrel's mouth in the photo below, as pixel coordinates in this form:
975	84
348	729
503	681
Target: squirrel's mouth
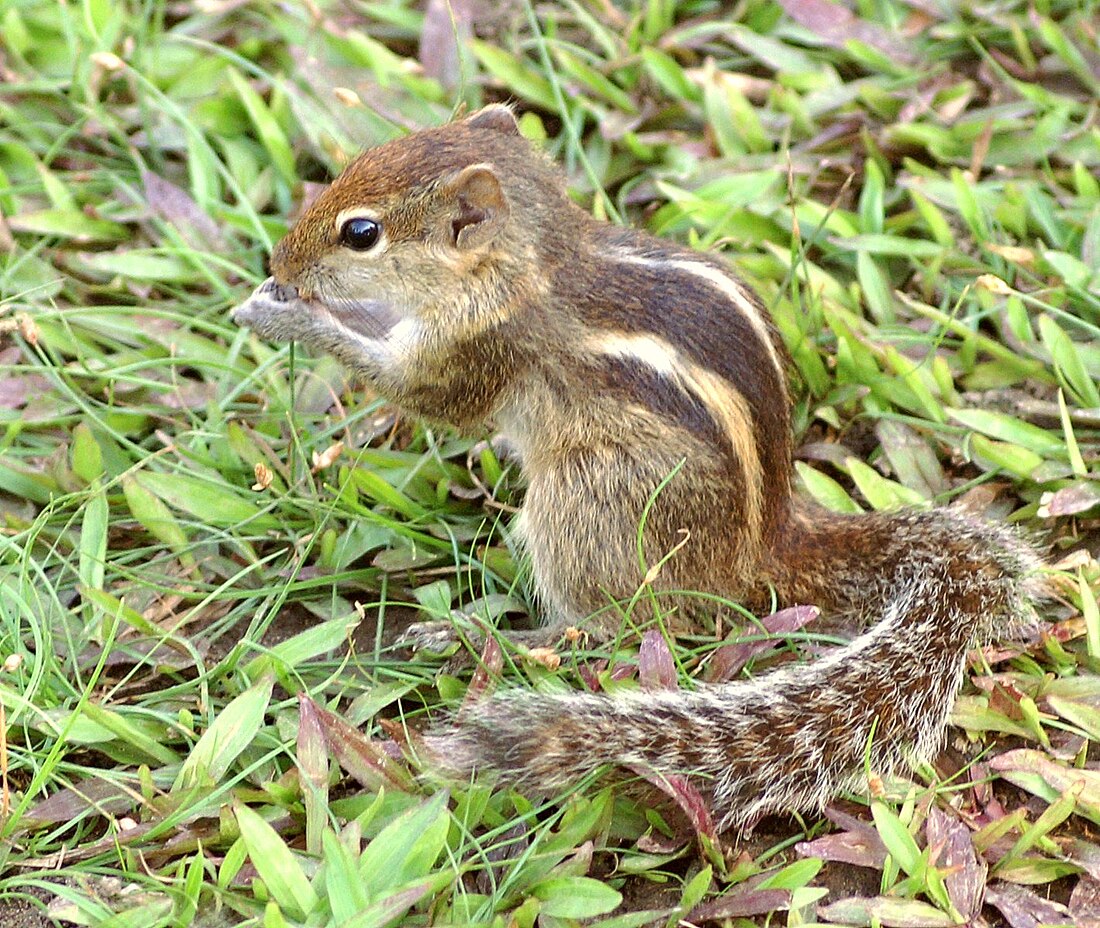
278	312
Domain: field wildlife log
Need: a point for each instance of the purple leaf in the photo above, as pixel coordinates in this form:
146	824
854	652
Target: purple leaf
965	879
1084	901
1085	854
71	802
311	748
488	670
175	206
728	660
656	668
836	26
741	903
687	797
1023	908
862	848
448	25
1077	497
363	758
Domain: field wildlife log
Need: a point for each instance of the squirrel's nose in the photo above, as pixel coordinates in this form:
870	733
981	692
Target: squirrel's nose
282	293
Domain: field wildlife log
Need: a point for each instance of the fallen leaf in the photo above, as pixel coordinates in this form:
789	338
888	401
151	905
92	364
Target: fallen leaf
1024	908
886	911
966	873
741	904
1077	497
862	848
1084	902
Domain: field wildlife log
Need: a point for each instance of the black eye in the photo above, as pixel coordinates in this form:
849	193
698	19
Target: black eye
360	234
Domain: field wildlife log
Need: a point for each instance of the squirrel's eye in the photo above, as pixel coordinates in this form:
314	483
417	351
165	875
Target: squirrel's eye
360	234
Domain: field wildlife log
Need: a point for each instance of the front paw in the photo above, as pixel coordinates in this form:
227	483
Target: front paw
442	638
434	637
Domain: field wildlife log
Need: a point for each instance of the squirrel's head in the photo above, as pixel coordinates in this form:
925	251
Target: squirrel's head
435	226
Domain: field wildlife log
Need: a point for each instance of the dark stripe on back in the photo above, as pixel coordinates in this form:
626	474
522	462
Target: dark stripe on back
703	323
630	380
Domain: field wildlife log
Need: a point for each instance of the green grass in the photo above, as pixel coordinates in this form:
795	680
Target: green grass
203	721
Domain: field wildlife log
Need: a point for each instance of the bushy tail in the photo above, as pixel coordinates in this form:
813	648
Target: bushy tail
792	738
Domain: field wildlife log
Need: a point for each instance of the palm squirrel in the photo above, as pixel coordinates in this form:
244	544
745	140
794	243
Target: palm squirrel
644	388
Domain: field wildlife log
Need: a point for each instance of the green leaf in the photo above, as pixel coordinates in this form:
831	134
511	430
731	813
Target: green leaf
343	886
696	889
1007	428
885	910
967	203
112	606
129	733
1068	363
1072	270
881	493
592	79
871	210
213	503
267	127
666	71
375	486
153	515
85	454
1081	714
825	490
407	848
435	598
576	897
876	288
73	225
794	876
1016	460
305	646
142	264
275	863
933	218
234	729
899	842
93	540
891	245
517	75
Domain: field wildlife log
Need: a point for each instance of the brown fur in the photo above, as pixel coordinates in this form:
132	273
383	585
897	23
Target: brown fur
613	360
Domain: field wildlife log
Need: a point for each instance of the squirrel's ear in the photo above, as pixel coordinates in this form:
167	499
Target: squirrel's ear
495	116
480	206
